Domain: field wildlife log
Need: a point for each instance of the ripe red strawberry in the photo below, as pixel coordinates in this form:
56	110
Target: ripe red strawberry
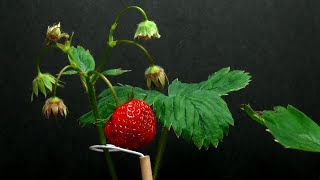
132	125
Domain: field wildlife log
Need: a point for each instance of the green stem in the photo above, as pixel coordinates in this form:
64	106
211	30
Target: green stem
125	10
54	90
103	141
39	57
106	80
69	52
161	147
112	29
151	62
105	57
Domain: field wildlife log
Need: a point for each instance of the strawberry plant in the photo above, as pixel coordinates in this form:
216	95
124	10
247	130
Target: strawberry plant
126	116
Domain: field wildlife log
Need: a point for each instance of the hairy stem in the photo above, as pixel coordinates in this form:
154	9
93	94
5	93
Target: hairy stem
161	147
103	141
151	62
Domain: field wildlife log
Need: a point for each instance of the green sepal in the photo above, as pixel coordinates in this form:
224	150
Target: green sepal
147	30
47	83
35	87
42	87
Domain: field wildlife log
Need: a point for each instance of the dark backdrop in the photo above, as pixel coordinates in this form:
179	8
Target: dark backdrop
277	42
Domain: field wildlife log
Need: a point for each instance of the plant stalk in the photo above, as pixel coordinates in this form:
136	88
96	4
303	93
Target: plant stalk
106	80
39	57
161	147
125	10
105	57
151	62
103	141
58	78
113	28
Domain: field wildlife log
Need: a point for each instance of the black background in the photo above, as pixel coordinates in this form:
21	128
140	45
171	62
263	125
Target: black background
277	42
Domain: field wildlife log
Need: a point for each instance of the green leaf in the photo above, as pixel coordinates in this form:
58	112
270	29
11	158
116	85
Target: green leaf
222	82
289	126
196	111
225	81
82	59
200	115
179	88
115	72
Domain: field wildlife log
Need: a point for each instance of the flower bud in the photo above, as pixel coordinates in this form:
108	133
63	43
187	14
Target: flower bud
54	105
43	83
54	33
147	30
156	77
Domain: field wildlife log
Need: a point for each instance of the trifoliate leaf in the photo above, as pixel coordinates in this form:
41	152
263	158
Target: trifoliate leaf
200	115
289	126
82	59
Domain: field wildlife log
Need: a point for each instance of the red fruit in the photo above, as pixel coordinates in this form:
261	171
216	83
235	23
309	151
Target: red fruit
132	125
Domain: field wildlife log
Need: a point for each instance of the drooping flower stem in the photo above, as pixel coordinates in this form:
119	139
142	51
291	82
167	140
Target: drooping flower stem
106	80
151	62
40	54
111	43
54	90
105	57
103	141
125	10
161	147
114	25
